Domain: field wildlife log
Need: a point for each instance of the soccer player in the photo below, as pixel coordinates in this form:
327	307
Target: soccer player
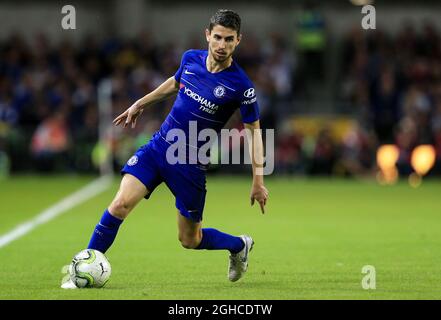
210	86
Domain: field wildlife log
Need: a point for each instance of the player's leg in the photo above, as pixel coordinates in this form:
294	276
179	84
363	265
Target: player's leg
189	232
193	236
187	184
130	192
141	177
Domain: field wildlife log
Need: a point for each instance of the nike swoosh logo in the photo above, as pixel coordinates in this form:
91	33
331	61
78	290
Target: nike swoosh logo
188	72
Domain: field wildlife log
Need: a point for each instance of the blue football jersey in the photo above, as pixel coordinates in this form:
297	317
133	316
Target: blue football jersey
209	98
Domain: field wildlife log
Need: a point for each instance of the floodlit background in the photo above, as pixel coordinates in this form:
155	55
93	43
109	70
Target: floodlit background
357	120
332	91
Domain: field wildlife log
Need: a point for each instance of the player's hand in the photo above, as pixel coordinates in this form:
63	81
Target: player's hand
130	115
260	194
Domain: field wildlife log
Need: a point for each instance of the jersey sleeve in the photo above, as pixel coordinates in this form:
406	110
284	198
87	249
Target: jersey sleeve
181	67
249	108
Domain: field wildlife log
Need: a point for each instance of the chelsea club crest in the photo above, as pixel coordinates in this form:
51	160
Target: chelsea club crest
132	161
219	92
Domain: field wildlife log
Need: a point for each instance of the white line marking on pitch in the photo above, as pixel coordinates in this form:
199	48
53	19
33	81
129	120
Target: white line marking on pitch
89	191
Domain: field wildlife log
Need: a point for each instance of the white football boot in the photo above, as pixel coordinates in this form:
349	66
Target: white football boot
239	261
69	284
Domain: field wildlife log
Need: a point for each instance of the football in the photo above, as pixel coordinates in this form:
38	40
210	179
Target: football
90	269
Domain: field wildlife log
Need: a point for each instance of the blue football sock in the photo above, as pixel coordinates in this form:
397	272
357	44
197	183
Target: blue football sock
213	239
105	232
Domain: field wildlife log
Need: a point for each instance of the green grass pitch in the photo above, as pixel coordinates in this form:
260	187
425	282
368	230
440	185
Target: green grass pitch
311	244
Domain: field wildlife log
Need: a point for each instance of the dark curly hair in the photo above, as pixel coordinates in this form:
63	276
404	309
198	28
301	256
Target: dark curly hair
225	18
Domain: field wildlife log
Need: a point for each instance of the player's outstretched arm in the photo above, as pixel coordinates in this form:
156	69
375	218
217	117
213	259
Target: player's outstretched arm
167	89
258	191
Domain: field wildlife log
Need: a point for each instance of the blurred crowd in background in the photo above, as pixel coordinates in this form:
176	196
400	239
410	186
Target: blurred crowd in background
49	103
389	84
393	83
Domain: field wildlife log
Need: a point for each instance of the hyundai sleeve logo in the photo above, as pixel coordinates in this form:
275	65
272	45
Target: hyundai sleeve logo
249	93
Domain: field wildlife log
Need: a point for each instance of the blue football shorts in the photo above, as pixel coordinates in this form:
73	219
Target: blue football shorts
186	181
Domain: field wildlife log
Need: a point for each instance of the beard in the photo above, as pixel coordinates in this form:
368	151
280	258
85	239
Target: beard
220	59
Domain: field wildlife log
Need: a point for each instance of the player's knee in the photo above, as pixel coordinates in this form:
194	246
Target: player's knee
120	208
189	242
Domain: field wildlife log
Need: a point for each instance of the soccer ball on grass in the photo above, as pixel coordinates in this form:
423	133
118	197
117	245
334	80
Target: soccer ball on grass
90	269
